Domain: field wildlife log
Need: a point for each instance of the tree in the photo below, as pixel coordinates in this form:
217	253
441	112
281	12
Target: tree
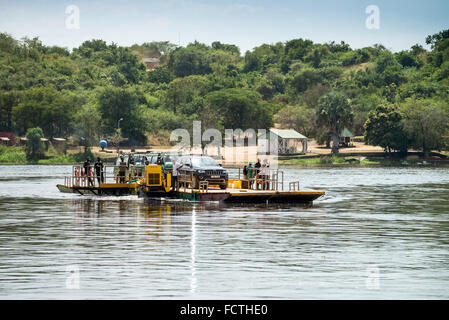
299	118
221	61
87	125
160	75
7	101
129	66
181	93
437	38
238	109
384	128
189	61
252	62
408	59
311	96
426	123
440	45
87	48
34	147
297	49
226	47
116	103
305	79
334	113
46	108
385	60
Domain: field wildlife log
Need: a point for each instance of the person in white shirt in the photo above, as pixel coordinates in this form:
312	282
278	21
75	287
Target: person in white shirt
265	175
175	182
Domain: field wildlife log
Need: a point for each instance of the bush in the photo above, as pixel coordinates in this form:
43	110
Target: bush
82	156
12	155
350	58
34	147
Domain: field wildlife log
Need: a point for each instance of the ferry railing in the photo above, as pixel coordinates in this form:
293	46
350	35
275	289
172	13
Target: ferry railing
186	178
204	186
293	186
132	173
271	179
109	174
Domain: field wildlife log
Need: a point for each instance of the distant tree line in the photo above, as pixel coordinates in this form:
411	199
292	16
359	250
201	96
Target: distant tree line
396	100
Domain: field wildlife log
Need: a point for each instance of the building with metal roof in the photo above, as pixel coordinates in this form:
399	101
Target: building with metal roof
345	137
283	141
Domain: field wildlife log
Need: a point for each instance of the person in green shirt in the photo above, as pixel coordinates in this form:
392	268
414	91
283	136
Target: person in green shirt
250	175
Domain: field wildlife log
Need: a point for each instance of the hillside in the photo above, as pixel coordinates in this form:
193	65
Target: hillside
84	93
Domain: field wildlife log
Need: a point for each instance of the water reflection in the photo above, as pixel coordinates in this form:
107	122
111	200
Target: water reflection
192	253
392	220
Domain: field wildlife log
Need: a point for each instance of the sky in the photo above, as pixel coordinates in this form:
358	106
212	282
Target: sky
245	23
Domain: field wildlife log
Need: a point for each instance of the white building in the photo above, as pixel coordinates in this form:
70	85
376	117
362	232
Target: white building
282	141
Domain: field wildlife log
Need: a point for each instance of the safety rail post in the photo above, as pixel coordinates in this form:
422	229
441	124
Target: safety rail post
293	185
273	179
204	186
282	180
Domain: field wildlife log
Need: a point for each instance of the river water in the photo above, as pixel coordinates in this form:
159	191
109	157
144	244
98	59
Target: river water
379	233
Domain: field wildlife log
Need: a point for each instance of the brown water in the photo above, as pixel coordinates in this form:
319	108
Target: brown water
378	233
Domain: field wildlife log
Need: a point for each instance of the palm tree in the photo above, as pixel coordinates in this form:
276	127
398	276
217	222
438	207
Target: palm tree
334	113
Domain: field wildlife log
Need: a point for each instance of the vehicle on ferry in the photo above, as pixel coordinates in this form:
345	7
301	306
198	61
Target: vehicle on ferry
194	169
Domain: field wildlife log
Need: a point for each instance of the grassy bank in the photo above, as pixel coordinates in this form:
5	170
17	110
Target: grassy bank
17	155
12	155
341	161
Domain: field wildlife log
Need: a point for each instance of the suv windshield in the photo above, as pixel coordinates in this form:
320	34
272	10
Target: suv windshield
204	162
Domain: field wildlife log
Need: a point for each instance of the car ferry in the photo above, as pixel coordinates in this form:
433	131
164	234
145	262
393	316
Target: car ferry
192	182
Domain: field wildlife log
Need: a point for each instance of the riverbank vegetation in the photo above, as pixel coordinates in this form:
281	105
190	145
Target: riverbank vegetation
397	100
341	160
18	155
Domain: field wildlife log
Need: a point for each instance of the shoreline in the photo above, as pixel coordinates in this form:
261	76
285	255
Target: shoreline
349	157
397	163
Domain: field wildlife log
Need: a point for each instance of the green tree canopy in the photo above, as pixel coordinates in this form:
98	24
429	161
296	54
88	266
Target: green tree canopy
238	109
189	61
66	93
46	108
34	147
300	118
426	122
384	128
181	94
334	113
122	103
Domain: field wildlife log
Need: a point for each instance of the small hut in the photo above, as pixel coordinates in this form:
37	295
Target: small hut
23	141
286	141
7	138
45	142
345	137
5	141
60	144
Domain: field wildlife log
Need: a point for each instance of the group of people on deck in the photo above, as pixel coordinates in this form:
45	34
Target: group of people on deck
259	173
90	171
